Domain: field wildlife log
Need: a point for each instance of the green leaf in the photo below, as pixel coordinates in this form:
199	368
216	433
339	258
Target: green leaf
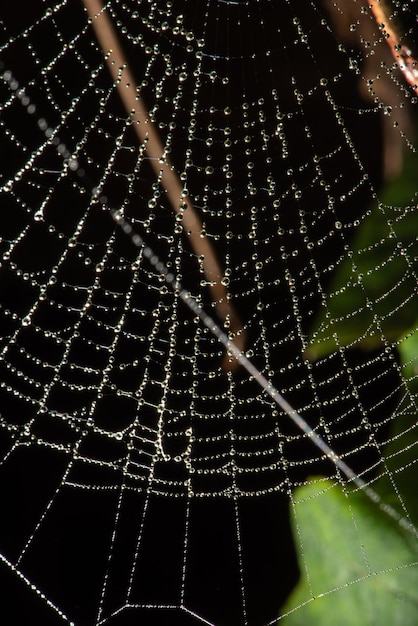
362	569
408	349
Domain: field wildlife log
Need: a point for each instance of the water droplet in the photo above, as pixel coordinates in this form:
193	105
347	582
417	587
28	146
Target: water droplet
73	164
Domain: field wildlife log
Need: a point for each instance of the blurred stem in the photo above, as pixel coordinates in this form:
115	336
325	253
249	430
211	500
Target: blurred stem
400	52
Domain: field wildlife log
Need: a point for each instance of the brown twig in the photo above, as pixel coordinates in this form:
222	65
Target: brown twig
401	53
168	177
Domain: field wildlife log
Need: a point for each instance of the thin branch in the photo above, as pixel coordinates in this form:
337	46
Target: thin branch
165	171
401	53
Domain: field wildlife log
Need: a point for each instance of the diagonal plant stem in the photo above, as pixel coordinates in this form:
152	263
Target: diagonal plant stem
401	53
165	171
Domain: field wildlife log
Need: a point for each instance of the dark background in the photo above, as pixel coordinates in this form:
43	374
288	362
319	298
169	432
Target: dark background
69	556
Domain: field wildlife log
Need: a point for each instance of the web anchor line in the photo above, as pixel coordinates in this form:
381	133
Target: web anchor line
255	373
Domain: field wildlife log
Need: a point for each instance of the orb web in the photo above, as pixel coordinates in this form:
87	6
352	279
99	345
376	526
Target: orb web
144	474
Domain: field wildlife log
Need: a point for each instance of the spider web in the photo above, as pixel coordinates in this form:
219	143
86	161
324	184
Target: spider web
143	475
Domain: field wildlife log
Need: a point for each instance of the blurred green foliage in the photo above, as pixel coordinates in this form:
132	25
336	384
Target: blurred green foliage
372	291
354	559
